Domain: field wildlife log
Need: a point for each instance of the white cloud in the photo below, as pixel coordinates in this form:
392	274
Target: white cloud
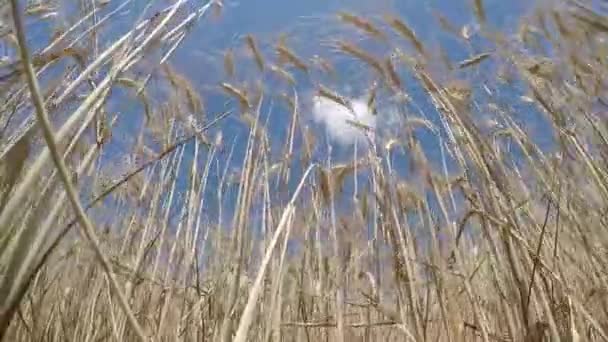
335	118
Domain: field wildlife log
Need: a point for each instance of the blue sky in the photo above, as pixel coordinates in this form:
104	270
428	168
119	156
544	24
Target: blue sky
310	24
309	27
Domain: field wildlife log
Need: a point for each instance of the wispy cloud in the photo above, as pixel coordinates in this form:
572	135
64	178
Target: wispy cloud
335	118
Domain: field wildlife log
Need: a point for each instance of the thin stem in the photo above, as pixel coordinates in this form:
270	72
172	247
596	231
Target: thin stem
64	174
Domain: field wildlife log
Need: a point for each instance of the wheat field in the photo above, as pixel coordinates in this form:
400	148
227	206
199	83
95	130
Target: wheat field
137	203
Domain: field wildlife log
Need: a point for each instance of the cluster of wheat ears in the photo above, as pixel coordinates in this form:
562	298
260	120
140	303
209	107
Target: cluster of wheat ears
508	245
